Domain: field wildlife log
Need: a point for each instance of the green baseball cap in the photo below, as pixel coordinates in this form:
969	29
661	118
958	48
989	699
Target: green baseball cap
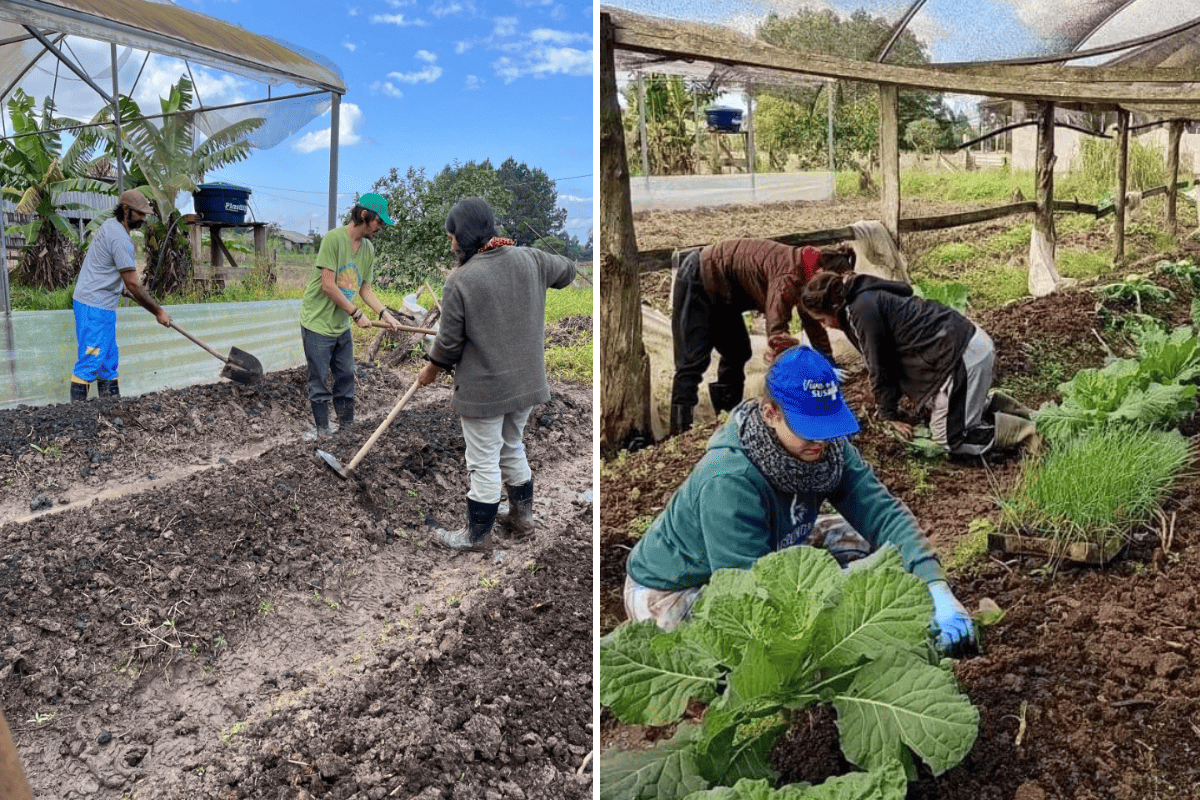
374	202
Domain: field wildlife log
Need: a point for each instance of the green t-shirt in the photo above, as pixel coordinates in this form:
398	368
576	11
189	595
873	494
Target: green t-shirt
351	270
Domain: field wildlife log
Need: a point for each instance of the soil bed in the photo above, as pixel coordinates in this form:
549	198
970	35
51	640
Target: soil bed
195	607
1087	688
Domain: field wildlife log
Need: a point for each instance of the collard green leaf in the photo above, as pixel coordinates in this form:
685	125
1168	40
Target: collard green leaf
801	581
900	700
732	612
667	772
886	783
647	676
882	608
738	745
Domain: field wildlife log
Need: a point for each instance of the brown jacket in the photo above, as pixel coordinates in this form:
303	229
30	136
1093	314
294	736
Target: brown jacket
762	275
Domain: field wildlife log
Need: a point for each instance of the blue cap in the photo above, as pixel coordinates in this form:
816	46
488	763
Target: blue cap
805	386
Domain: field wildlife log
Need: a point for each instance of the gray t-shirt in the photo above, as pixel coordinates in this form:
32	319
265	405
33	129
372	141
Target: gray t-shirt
110	253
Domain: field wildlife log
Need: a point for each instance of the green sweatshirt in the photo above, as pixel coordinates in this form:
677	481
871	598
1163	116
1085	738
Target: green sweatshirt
726	515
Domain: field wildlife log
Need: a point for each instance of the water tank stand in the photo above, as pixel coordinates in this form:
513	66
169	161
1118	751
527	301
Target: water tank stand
218	252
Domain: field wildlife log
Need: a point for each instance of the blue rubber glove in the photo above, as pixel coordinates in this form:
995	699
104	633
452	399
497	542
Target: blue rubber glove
951	623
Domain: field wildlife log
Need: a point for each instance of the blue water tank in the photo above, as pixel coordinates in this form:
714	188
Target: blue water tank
724	118
221	202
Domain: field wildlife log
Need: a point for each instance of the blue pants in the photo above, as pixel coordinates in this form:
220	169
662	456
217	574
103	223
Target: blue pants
329	355
96	338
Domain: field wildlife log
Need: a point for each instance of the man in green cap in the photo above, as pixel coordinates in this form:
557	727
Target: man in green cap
345	265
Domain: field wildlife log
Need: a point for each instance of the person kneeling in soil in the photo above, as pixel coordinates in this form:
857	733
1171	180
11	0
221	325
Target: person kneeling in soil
109	268
493	337
713	287
926	351
759	488
345	265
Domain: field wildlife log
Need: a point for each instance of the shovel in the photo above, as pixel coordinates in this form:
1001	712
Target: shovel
345	472
240	366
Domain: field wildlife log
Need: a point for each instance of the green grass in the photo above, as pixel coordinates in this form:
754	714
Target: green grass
989	184
1083	265
573	364
1096	488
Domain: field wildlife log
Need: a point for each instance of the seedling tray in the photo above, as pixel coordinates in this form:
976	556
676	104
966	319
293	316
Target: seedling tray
1078	552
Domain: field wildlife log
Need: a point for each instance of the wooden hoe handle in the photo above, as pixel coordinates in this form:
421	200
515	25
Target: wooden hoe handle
362	451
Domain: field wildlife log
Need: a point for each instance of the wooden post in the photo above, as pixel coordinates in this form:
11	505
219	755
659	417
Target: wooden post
641	87
1043	275
889	159
1122	186
260	240
194	231
624	365
751	156
1174	132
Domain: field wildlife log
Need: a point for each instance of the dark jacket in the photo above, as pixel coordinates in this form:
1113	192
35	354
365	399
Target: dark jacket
726	515
910	345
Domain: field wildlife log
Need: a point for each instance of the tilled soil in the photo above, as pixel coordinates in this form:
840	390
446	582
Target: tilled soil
1087	688
195	606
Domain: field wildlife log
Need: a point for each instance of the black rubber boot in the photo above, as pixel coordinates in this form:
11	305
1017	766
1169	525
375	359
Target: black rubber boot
344	408
681	419
725	396
109	388
480	519
519	518
79	391
320	412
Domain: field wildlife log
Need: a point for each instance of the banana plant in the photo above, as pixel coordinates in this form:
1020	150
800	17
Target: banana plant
35	173
165	160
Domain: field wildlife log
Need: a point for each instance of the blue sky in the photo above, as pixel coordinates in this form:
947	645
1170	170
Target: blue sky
428	82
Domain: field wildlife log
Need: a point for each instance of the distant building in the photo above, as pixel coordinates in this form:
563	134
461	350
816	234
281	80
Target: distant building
294	242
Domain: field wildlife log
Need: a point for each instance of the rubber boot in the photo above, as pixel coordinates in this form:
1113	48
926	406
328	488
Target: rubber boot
480	519
79	391
344	408
1003	403
1014	431
725	396
519	518
108	388
681	419
320	412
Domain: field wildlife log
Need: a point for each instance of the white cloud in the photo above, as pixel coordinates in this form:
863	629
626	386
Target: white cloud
542	61
446	8
351	46
427	75
472	83
505	26
352	11
388	88
549	36
570	198
396	19
462	47
350	120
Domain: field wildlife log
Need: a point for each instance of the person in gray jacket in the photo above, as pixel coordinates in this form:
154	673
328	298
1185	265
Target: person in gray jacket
492	336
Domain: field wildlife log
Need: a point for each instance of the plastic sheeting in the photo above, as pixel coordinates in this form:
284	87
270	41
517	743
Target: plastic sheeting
676	192
38	370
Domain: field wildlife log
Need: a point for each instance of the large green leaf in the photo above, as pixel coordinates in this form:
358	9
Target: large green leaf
900	700
732	612
647	677
737	745
886	783
801	581
882	608
667	772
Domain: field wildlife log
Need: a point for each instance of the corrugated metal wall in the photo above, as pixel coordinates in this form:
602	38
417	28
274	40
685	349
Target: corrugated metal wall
38	371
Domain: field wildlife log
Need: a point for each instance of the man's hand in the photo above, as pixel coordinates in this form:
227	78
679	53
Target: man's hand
163	317
952	624
902	428
776	345
428	374
390	321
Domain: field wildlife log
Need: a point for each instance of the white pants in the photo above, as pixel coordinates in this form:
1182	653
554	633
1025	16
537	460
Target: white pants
495	453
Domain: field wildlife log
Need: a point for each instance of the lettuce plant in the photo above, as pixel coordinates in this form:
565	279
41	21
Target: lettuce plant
793	631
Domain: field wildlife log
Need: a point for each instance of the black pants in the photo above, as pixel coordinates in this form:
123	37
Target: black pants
329	355
698	326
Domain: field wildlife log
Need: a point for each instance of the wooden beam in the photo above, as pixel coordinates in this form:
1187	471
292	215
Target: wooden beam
889	159
691	41
1174	132
658	259
1043	275
1122	186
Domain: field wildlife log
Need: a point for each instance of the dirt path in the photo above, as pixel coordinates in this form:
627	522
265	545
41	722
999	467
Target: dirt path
217	615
